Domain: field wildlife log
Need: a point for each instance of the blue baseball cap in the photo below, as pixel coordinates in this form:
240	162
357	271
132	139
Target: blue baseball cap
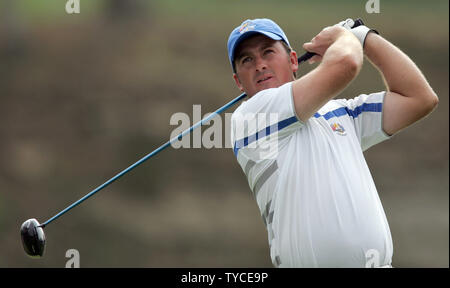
251	27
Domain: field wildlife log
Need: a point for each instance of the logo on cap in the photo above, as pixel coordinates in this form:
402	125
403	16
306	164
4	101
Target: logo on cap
246	27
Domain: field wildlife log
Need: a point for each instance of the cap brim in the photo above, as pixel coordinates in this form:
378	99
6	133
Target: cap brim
248	34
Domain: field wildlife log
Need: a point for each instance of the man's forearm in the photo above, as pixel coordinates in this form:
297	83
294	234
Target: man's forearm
402	76
345	47
342	60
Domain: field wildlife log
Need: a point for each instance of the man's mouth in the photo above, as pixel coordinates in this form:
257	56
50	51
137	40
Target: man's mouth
264	79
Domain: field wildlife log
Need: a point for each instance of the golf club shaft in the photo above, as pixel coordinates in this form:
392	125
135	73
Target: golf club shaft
302	58
148	156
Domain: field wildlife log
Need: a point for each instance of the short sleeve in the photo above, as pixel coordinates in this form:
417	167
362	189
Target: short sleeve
267	116
367	113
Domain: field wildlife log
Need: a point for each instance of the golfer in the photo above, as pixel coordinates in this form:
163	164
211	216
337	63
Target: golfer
303	157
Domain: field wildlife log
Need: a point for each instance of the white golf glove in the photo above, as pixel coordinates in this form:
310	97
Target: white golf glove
360	32
347	24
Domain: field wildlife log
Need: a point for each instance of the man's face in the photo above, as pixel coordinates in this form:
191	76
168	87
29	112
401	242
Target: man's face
263	63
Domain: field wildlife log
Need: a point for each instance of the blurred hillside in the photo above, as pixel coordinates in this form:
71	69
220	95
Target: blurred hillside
84	96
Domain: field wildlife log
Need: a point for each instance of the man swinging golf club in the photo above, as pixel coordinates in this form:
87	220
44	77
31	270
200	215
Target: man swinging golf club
315	192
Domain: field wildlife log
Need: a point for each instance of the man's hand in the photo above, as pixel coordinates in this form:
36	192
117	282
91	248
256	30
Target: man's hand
341	59
360	32
320	43
347	24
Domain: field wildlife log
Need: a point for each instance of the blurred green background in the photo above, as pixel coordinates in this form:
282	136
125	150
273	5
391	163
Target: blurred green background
85	95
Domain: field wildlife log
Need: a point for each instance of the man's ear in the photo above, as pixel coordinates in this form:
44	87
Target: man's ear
238	83
293	60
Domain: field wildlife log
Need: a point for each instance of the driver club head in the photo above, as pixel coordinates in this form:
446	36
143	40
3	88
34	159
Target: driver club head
33	238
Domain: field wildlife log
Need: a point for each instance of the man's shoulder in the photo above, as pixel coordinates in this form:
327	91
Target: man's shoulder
262	98
331	105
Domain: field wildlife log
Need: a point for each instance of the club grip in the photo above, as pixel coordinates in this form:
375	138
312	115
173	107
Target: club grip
307	55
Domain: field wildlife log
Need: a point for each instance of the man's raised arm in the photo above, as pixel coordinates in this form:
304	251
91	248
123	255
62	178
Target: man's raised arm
409	97
342	58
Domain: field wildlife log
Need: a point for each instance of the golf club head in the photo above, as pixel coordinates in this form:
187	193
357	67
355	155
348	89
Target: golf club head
33	238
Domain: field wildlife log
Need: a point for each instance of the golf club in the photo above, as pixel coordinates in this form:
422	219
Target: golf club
32	232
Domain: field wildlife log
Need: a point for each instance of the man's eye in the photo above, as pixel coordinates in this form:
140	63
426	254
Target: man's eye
268	51
245	60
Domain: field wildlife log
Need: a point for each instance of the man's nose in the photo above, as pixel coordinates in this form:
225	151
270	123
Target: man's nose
260	64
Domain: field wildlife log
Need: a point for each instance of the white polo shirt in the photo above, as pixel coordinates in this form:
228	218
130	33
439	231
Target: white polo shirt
312	184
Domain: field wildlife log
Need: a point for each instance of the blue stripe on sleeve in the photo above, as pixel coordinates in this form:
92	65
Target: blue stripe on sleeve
262	133
366	107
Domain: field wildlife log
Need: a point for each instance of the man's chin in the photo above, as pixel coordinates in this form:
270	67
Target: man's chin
267	86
